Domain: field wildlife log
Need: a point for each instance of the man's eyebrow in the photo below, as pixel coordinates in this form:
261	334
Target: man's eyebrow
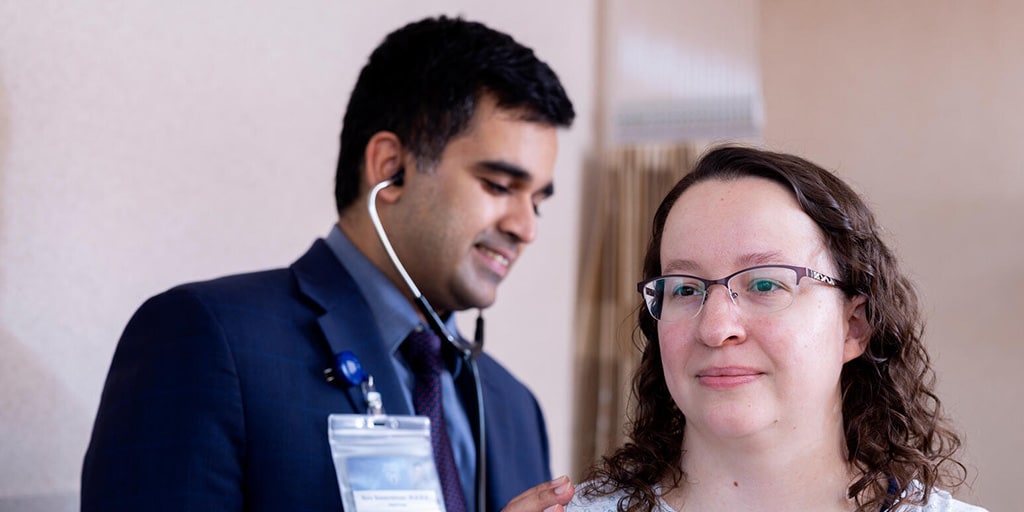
515	172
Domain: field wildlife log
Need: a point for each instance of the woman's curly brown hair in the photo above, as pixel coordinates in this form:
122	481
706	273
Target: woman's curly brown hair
893	421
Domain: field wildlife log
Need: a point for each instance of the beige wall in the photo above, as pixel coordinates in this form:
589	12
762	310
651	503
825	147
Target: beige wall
143	144
921	105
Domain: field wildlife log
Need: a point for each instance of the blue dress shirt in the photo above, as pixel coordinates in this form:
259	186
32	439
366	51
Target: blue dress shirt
395	318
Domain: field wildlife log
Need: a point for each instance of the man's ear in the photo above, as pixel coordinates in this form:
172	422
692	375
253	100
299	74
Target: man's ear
858	330
384	158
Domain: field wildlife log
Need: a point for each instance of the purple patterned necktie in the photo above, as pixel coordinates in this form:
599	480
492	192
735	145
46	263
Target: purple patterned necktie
422	350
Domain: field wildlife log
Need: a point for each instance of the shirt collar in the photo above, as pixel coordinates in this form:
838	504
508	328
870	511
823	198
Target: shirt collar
394	316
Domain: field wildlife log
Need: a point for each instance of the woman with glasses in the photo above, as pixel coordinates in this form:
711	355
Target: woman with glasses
783	367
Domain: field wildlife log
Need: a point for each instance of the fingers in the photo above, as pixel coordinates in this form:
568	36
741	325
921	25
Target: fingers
546	497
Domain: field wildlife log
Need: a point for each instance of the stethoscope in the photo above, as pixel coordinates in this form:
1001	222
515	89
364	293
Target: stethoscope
347	364
468	350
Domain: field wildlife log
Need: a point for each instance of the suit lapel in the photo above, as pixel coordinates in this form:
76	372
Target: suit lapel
346	323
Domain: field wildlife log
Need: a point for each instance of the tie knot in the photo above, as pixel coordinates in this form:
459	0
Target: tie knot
422	350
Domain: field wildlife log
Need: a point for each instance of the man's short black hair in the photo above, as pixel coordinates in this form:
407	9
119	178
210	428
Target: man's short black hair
423	84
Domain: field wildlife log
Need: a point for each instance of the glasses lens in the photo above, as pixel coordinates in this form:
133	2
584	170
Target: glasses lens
764	290
674	297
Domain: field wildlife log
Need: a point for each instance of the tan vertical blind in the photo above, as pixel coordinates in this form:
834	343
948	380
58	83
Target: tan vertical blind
626	188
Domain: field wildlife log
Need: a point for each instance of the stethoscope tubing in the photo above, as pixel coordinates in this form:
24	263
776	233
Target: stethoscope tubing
469	350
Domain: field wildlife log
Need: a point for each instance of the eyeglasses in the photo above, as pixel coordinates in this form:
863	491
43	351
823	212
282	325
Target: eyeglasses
760	289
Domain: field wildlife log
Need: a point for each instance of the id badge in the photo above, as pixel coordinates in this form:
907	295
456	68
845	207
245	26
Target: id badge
384	463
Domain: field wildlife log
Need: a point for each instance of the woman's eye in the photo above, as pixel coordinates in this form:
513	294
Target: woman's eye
684	291
764	286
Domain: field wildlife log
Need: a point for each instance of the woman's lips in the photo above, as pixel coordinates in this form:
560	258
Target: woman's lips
727	377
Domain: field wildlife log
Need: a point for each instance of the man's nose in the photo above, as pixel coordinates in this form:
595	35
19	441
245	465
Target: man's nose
520	220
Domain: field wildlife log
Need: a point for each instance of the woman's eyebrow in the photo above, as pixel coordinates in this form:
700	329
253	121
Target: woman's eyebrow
680	265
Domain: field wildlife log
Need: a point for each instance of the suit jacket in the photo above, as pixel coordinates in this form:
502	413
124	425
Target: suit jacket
216	398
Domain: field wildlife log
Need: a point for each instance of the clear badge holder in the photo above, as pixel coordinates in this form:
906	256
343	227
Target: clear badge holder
384	463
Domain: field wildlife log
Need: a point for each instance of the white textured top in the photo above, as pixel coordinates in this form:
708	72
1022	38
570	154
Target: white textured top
939	501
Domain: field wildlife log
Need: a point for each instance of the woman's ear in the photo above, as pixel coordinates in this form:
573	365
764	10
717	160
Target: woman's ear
858	330
383	160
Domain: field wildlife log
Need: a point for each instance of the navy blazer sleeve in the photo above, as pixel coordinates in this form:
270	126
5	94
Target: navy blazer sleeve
169	434
216	400
517	442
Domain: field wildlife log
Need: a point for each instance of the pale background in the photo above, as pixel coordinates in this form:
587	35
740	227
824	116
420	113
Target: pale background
145	143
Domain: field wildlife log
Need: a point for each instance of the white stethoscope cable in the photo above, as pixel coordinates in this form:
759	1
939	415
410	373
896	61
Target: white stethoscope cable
469	350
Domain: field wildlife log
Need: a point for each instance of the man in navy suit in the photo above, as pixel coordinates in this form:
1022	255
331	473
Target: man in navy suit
216	397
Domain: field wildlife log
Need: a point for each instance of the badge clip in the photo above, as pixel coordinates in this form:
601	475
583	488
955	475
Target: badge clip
348	372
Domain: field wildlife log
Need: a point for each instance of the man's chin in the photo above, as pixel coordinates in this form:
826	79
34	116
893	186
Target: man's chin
478	300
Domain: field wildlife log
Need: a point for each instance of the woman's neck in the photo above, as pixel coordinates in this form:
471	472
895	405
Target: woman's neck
785	468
